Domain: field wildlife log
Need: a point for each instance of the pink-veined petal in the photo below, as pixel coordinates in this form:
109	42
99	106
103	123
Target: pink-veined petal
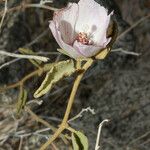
69	49
66	20
93	18
86	50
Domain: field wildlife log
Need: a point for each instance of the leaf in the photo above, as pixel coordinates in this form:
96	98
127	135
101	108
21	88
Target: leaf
37	63
79	141
22	98
63	52
74	142
103	53
56	73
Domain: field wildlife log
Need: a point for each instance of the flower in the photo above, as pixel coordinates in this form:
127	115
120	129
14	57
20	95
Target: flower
81	29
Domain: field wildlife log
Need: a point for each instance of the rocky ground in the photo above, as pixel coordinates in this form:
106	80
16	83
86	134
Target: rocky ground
117	88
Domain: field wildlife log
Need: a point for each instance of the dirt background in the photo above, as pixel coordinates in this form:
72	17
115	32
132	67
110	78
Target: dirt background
116	88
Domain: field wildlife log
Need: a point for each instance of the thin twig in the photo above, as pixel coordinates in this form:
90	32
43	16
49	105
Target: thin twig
36	101
9	62
37	38
20	144
38	119
36	72
126	52
99	134
24	6
79	115
133	26
45	1
39	71
145	142
28	45
24	134
54	147
41	58
4	14
139	138
40	6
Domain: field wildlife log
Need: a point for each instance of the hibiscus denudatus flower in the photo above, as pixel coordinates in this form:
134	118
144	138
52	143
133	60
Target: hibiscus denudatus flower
81	29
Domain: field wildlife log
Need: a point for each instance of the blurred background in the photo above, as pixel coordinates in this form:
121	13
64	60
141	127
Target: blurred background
117	88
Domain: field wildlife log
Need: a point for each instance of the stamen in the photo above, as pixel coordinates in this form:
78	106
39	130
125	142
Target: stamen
84	39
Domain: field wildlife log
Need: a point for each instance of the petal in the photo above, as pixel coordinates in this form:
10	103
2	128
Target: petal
93	19
86	50
100	37
66	20
69	49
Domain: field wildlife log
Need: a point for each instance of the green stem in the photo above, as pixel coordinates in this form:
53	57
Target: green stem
64	124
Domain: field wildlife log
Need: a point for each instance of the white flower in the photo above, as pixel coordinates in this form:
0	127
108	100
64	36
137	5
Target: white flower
80	29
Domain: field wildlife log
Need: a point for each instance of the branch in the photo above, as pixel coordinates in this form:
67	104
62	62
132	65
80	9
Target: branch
79	115
4	14
99	133
133	26
38	119
41	58
24	6
9	62
125	52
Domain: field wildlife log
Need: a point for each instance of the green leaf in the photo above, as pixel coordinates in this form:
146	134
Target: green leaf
63	52
79	141
36	63
56	73
22	98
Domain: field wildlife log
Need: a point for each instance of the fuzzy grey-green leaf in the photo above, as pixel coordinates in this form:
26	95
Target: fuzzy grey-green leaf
79	141
74	142
56	73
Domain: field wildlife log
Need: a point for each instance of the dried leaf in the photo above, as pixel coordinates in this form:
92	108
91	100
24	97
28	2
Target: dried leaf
79	141
22	98
56	73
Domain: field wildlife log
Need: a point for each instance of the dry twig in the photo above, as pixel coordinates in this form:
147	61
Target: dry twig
79	115
133	26
4	14
99	133
41	58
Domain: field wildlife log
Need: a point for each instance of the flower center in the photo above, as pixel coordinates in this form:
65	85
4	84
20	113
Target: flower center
83	38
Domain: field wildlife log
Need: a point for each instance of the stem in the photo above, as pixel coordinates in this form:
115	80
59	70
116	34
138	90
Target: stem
27	77
64	123
21	81
38	119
